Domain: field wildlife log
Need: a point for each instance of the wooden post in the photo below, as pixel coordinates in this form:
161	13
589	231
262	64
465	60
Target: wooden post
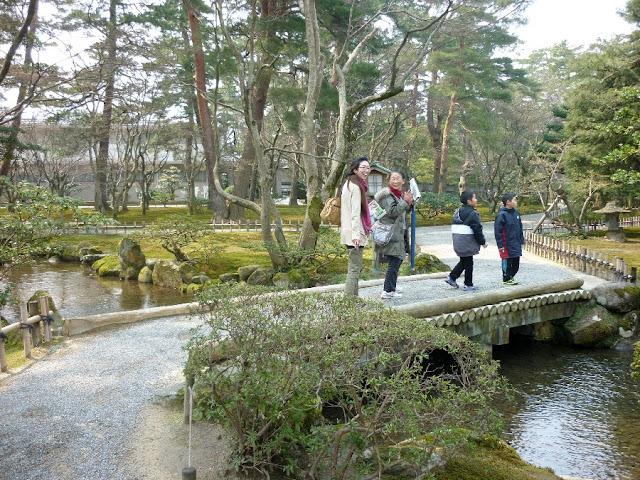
44	309
26	340
32	310
3	355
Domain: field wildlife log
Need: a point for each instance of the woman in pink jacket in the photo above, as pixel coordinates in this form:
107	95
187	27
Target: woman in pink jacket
355	220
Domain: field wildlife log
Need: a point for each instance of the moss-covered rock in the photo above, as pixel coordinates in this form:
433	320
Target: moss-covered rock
187	271
617	296
245	272
34	308
262	276
229	277
132	260
145	275
547	332
200	279
193	288
293	279
427	263
108	266
592	326
166	273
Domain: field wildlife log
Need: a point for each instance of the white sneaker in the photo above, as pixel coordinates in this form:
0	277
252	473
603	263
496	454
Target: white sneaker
389	295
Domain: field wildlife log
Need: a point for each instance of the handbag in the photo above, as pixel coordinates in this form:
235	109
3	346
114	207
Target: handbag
331	211
381	233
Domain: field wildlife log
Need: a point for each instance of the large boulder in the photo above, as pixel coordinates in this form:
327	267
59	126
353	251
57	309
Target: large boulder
593	326
166	273
108	266
229	277
262	276
245	272
187	271
34	309
617	296
427	263
131	258
293	279
145	275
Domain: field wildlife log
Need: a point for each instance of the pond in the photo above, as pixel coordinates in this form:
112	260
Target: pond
78	291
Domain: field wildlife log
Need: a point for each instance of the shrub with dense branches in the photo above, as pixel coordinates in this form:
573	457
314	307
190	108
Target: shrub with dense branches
322	386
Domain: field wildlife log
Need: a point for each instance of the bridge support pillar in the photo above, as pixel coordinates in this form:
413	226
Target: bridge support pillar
499	335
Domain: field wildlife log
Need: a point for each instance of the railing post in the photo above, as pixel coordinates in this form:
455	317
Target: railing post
26	337
3	354
32	310
44	313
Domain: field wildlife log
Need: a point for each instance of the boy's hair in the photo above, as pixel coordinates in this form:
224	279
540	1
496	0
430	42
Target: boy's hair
508	196
466	195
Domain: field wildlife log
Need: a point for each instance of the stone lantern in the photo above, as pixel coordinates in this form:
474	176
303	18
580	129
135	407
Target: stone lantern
612	218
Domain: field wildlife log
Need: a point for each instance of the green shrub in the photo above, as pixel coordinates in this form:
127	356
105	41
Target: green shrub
326	386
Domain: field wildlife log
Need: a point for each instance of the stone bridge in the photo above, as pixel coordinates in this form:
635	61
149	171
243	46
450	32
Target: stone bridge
488	317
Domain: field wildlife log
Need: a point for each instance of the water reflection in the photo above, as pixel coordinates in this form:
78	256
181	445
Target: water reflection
78	291
578	412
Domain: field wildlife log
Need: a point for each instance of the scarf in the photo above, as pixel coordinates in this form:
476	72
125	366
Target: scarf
365	216
397	193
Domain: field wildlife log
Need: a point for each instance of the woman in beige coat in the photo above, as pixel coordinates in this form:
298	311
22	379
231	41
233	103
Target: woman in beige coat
355	220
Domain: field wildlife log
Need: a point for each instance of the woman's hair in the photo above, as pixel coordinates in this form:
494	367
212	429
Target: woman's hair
398	171
356	164
364	203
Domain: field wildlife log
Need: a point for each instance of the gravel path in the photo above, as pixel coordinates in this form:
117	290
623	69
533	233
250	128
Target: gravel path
69	416
72	414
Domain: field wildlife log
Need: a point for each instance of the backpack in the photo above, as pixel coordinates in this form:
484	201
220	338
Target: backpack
331	211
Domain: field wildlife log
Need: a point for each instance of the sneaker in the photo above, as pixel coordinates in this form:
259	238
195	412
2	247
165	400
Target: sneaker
469	288
511	281
389	295
451	282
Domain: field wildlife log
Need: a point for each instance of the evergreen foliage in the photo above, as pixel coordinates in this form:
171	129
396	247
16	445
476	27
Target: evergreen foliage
322	385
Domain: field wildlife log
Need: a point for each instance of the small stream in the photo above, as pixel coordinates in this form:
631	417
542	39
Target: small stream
578	412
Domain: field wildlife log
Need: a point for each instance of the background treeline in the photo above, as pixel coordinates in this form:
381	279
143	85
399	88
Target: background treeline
241	89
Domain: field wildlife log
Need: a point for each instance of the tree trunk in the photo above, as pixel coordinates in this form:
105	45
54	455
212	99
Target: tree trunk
102	161
242	177
208	134
446	141
12	140
545	214
434	126
293	194
463	184
308	236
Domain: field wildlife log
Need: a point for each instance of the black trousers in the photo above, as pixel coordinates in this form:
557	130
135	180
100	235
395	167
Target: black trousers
466	264
510	267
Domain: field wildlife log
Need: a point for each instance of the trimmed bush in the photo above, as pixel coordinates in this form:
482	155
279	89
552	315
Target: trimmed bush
323	386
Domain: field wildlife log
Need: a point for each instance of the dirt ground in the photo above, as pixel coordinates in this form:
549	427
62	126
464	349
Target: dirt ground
160	447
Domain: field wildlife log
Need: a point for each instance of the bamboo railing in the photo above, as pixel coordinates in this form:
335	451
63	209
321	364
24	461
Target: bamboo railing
579	258
32	327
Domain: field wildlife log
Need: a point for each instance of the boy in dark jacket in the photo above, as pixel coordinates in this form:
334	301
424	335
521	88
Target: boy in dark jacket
509	237
467	234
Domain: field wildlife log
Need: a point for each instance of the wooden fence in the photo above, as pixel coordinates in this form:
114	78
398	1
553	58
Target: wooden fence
580	258
32	328
230	226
